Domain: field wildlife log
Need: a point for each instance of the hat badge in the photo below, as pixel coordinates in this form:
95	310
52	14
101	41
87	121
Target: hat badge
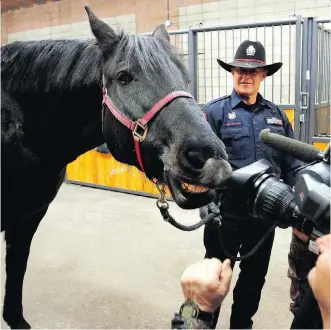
250	51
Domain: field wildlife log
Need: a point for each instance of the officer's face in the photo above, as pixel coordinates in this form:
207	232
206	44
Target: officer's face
247	81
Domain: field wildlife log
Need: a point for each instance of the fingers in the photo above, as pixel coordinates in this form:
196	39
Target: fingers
300	235
202	212
214	265
186	282
311	277
226	275
323	243
213	207
226	263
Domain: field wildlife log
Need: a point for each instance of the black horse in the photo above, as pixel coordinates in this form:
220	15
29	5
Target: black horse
52	94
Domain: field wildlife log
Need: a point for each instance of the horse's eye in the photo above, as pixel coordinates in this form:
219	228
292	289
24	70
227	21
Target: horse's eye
124	78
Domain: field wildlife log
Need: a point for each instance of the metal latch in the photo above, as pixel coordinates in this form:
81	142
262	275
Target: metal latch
304	100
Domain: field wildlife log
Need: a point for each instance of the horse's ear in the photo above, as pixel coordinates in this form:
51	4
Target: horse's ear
104	34
161	32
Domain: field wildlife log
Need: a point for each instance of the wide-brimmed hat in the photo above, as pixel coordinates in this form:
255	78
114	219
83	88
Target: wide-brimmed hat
251	54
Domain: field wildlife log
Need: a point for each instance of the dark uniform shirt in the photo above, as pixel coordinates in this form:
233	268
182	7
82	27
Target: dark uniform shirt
239	125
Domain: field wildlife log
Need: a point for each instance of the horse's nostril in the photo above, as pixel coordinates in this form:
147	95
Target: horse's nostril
196	157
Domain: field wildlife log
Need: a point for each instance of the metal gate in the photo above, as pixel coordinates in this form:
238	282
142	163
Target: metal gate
316	80
302	86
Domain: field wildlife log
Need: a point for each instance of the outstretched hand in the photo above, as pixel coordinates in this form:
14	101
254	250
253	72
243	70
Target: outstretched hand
207	283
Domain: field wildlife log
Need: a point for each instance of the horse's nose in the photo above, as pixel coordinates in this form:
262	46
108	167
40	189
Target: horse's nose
197	156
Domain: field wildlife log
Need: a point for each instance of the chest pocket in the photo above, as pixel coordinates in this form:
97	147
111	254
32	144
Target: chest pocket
275	124
276	129
237	141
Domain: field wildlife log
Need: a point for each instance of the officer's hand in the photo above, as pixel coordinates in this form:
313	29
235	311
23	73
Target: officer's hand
303	237
319	279
210	208
207	283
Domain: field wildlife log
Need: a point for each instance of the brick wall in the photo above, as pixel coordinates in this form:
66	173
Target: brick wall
68	19
147	14
143	15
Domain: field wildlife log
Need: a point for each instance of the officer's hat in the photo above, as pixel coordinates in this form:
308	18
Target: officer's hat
251	54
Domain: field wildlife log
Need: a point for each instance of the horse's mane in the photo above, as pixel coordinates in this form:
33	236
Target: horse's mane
58	65
151	54
49	65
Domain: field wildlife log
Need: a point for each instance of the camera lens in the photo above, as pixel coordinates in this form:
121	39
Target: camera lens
274	200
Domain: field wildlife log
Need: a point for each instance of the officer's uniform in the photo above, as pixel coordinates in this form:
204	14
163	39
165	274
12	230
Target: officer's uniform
239	128
238	125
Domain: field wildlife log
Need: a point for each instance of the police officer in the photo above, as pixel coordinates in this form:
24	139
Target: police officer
238	120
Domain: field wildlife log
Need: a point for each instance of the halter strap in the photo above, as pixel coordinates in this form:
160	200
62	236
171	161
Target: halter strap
139	128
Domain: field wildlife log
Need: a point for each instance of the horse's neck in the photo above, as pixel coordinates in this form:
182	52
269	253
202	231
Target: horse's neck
57	98
61	127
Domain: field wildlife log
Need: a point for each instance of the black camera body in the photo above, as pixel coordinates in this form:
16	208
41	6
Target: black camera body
254	190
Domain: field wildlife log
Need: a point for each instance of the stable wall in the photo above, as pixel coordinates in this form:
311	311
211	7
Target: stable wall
67	19
61	18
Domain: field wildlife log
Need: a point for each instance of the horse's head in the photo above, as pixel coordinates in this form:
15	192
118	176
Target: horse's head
177	146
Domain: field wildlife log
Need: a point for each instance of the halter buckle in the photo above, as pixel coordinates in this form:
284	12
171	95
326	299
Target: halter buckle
140	131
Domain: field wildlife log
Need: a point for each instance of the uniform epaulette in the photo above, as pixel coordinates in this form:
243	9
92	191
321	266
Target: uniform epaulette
271	103
216	100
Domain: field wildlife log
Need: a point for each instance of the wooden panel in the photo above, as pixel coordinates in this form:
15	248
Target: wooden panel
103	170
290	116
322	120
320	145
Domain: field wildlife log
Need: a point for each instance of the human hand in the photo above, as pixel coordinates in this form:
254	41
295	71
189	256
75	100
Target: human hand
323	244
210	208
319	278
207	283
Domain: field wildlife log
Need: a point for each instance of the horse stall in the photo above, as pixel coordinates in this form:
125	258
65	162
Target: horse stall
305	101
104	258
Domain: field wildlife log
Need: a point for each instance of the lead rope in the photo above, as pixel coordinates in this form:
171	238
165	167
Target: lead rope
211	219
163	206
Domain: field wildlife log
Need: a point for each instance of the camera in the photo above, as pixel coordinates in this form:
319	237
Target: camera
256	191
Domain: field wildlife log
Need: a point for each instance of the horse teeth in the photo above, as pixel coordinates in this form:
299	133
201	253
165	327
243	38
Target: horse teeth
194	188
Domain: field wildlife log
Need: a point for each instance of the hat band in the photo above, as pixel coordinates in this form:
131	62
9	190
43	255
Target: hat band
249	60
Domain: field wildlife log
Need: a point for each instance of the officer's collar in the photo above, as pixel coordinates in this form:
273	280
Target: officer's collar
236	99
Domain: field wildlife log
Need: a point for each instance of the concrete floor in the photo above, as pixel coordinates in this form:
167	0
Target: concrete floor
102	259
